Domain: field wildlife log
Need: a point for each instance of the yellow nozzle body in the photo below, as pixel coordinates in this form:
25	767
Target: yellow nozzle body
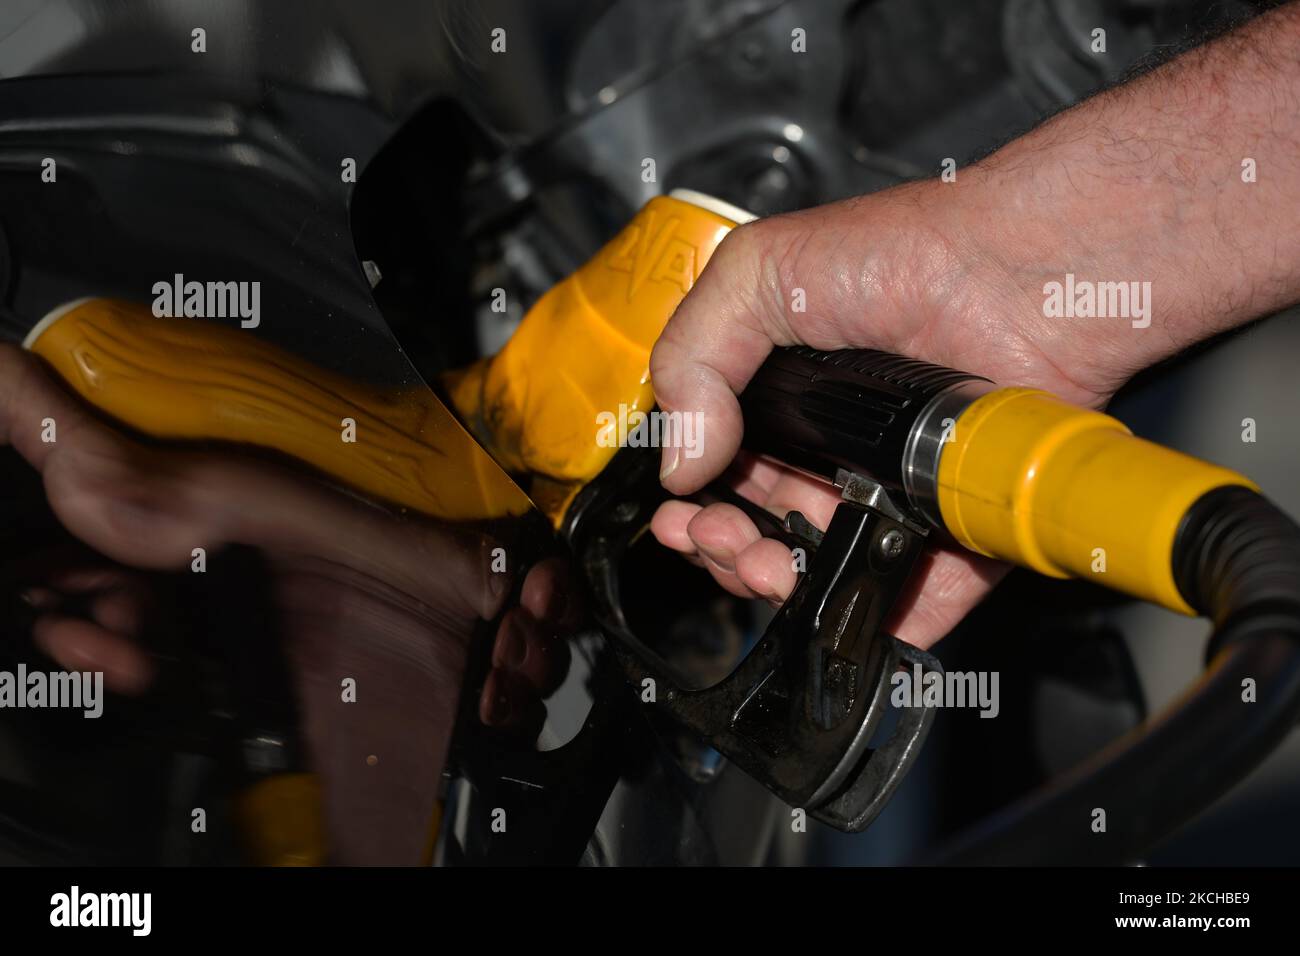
1068	492
584	351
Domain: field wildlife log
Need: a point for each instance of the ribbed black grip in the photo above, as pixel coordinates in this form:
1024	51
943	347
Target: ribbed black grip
1235	552
854	409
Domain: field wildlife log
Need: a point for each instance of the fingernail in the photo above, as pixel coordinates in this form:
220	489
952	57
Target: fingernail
38	597
498	582
672	458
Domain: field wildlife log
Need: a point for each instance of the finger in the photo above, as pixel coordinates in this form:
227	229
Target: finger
720	532
669	525
551	595
118	611
87	458
742	306
103	487
81	645
710	348
527	649
752	477
944	586
41	598
815	499
119	598
29	396
115	603
508	702
82	580
767	568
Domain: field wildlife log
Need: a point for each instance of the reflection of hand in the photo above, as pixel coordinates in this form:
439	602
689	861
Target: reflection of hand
360	593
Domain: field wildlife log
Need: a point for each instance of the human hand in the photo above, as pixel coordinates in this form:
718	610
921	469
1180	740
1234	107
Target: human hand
910	271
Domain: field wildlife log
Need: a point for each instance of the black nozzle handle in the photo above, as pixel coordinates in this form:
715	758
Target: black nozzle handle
853	409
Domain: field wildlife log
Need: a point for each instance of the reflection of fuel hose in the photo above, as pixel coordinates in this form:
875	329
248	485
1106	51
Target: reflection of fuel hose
1020	475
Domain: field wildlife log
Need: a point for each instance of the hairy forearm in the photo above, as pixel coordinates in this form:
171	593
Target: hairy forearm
1188	177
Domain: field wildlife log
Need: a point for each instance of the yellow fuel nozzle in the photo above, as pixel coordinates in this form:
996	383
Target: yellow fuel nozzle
1069	492
583	350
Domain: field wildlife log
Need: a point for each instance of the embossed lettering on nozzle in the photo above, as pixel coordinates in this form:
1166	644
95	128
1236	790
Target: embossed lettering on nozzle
925	443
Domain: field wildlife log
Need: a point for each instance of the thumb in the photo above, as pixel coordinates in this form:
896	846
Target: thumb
713	344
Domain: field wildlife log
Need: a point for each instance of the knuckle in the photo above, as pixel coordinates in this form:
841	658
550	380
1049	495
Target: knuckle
765	263
746	249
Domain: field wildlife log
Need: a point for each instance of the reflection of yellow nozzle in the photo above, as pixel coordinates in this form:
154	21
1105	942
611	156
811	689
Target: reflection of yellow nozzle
584	349
194	379
281	821
1034	480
